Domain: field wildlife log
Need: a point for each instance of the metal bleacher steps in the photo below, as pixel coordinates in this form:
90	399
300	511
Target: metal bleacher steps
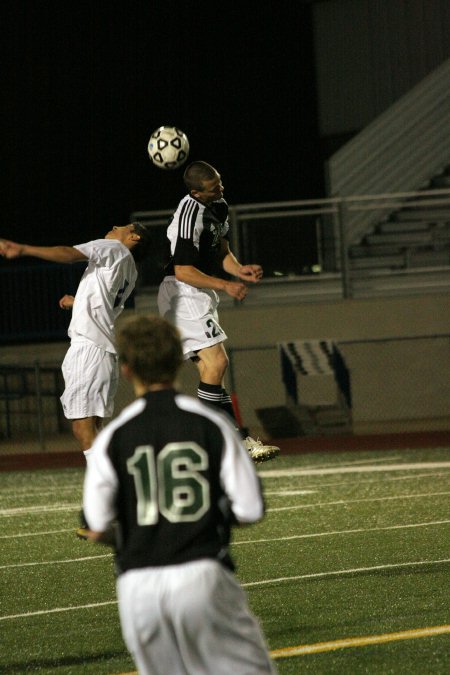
414	236
442	181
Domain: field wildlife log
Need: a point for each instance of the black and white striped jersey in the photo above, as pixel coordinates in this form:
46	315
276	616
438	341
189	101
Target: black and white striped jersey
175	475
194	235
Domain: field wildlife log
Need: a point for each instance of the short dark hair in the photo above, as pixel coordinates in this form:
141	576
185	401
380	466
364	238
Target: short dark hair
141	249
151	347
196	173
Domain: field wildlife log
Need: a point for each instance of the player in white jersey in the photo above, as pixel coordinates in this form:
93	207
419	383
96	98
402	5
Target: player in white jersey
172	475
198	254
90	367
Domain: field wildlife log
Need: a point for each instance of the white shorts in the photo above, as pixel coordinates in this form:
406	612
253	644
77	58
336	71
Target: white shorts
190	618
194	312
91	377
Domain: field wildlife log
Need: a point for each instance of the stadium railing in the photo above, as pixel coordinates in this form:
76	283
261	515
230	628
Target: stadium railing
292	241
287	238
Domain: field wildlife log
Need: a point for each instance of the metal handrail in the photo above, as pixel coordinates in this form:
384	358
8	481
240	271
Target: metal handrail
337	209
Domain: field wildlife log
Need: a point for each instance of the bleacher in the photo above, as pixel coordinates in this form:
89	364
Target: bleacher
414	236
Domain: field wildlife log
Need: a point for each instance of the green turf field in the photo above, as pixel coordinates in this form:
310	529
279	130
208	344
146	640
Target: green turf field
348	573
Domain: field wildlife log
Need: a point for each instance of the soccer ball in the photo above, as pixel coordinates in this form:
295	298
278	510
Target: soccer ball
168	147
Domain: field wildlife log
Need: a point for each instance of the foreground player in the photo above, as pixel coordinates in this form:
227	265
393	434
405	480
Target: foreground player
198	250
172	474
90	366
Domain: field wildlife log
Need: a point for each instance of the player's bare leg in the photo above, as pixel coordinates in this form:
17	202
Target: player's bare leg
85	430
212	363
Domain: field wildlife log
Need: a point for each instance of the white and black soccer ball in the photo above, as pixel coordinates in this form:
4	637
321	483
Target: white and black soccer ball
168	147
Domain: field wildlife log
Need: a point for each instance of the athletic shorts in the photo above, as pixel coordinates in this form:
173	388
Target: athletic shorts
190	618
91	376
193	311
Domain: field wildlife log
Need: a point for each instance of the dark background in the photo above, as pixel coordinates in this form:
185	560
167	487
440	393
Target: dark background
85	84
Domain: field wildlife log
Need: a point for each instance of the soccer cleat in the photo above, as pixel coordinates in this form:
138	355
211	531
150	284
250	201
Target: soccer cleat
260	452
82	533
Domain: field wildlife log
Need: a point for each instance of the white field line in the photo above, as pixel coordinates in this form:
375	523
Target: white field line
289	493
56	562
43	508
332	573
280	492
337	573
379	479
279	473
257	541
249	541
319	486
430	474
334	533
359	641
36	491
331	465
57	609
305	471
36	534
25	510
340	502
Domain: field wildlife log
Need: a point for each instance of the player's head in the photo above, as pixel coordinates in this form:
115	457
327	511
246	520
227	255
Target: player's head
141	248
203	182
134	236
149	349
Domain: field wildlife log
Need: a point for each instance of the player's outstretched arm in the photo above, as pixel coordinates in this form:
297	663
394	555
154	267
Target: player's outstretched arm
230	264
194	277
62	254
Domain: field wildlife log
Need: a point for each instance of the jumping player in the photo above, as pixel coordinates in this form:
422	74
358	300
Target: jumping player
90	366
172	475
197	242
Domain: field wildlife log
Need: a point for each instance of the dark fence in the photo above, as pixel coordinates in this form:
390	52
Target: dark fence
29	300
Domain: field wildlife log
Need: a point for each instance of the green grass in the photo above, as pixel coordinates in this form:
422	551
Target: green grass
340	554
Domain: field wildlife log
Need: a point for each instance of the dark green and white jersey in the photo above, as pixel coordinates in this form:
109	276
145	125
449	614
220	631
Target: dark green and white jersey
174	474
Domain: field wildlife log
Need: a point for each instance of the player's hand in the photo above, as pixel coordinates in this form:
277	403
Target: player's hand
66	302
251	273
236	289
9	249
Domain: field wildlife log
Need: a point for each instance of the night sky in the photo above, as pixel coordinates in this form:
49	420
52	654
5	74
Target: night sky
85	84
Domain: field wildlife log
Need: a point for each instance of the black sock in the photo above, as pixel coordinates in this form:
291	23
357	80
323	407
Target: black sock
226	404
216	395
210	393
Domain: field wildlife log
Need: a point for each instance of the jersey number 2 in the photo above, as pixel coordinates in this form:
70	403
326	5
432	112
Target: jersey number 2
170	484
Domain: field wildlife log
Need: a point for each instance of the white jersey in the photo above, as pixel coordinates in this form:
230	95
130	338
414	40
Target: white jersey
105	285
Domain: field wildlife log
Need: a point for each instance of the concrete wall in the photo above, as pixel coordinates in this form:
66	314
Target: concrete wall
396	386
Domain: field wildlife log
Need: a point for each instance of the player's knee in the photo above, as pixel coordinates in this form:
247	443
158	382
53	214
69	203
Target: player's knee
222	362
216	371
